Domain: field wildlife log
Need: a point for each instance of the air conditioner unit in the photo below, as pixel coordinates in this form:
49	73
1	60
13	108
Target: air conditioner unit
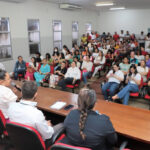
14	1
69	6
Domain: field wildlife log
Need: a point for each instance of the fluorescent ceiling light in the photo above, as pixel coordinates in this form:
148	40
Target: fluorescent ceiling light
117	8
105	4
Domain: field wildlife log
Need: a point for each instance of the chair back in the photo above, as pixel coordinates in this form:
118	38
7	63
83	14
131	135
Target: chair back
2	124
24	137
61	146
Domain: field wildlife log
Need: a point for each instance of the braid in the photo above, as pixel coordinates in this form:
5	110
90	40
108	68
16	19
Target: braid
82	120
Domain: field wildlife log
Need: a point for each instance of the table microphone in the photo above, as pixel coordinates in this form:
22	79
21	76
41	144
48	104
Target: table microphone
14	85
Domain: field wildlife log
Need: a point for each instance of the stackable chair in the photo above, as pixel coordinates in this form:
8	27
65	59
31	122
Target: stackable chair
3	131
137	93
24	137
74	86
61	146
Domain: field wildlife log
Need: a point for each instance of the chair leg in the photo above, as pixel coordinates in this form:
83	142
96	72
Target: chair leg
72	90
99	73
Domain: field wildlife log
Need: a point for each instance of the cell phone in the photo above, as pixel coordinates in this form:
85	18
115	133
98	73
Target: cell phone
68	107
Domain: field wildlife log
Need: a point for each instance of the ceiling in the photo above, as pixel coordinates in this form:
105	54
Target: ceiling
90	4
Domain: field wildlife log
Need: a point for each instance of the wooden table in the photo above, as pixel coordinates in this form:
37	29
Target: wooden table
129	121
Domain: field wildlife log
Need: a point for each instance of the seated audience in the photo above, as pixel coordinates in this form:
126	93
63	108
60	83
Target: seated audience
77	62
20	67
48	58
138	56
59	74
147	60
77	54
148	87
99	62
44	70
124	66
95	53
24	112
86	69
84	39
88	128
133	60
72	75
143	70
31	68
6	95
133	80
114	77
38	57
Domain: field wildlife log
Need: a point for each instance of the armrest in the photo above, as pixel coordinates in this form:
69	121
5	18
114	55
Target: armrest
123	145
58	131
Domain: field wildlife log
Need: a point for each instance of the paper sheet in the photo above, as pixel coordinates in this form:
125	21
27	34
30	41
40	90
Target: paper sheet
58	105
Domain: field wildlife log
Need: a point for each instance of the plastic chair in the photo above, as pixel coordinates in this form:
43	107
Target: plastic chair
147	97
61	146
76	85
24	137
137	93
3	131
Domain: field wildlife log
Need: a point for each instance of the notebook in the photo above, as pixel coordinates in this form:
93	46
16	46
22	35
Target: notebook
58	105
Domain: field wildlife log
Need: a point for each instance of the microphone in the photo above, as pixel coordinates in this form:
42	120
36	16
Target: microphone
14	85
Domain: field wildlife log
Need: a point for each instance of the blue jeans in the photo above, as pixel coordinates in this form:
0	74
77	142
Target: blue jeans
18	71
112	86
125	92
85	74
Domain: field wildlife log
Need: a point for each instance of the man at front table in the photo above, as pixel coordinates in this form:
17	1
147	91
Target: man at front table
7	96
25	113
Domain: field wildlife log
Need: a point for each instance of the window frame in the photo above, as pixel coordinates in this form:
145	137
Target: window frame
32	43
77	31
88	31
57	41
9	33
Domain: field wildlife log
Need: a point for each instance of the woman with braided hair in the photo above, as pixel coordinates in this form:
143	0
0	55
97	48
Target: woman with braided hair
87	128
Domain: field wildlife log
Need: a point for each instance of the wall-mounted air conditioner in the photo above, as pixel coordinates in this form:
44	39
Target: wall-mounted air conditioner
69	6
14	1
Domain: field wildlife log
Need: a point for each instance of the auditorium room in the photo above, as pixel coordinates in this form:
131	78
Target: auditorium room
74	75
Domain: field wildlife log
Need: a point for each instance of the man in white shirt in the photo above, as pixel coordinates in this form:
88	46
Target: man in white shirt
114	76
26	113
6	94
142	39
86	69
72	75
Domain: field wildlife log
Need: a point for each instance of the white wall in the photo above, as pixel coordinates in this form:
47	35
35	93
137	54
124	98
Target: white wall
132	20
46	12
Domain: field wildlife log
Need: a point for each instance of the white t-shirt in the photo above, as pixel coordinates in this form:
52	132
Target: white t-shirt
73	73
99	61
141	70
87	65
119	73
6	97
139	58
137	77
31	116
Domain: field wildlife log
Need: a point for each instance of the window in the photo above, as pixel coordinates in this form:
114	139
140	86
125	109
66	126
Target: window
34	36
5	40
75	30
88	28
57	35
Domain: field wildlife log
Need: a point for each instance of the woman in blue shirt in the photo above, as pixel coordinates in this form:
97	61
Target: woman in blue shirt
44	70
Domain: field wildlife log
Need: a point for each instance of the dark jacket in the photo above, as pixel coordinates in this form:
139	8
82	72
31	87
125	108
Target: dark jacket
19	65
100	134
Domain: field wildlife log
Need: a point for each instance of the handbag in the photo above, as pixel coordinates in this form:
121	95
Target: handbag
47	77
